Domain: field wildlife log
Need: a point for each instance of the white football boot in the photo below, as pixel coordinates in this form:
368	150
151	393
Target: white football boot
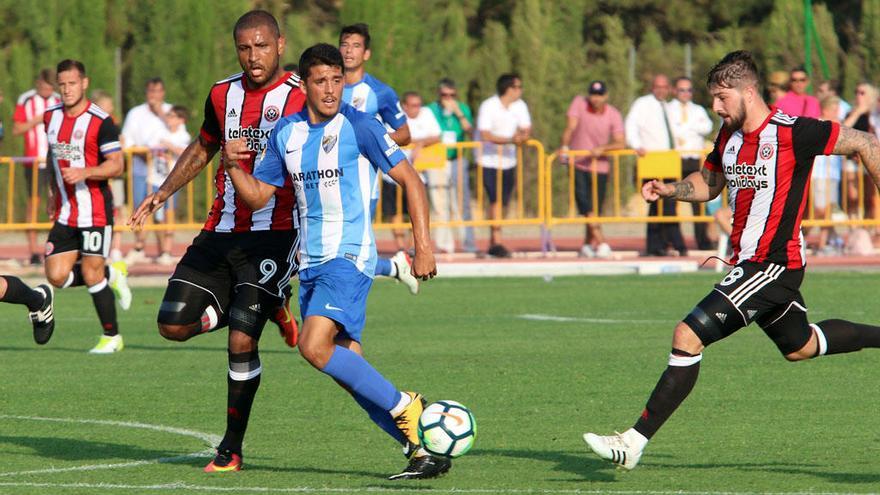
615	448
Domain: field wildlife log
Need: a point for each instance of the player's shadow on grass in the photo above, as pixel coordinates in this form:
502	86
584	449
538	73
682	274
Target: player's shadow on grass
578	463
798	468
251	465
70	449
139	347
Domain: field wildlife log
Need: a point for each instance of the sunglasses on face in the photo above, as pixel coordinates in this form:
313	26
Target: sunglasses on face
447	95
685	90
798	79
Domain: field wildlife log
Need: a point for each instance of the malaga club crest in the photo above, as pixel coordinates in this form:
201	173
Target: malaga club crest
328	142
272	113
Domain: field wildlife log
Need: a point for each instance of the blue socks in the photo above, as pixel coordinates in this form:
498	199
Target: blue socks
383	267
381	417
362	379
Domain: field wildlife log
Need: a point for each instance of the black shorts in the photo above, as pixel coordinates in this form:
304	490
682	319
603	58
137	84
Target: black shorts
583	191
490	183
89	241
219	262
766	293
43	178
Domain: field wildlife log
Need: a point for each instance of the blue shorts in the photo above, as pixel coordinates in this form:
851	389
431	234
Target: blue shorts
336	290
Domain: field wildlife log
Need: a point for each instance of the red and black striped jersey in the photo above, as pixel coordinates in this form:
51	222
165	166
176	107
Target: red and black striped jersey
233	111
81	141
768	181
29	105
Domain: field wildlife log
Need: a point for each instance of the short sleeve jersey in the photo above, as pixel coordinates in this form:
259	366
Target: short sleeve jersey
768	178
333	168
374	97
81	141
233	111
29	105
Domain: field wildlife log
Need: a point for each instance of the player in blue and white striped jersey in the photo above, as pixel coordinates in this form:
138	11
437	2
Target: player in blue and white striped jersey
332	153
370	95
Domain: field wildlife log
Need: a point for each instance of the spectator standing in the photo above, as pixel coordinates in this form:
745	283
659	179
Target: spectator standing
503	123
647	129
690	126
456	123
825	179
425	131
143	126
864	105
172	142
594	126
831	87
28	122
797	102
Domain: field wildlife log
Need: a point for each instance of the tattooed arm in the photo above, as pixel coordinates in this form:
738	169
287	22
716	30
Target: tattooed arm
696	188
851	141
191	162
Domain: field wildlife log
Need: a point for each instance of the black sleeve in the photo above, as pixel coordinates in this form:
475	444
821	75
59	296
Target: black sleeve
811	137
108	138
210	131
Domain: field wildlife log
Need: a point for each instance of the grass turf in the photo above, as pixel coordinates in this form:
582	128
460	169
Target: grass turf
754	422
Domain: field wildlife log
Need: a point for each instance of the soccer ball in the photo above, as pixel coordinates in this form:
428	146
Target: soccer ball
447	428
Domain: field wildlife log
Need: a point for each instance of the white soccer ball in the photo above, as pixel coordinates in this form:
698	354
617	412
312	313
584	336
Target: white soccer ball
447	428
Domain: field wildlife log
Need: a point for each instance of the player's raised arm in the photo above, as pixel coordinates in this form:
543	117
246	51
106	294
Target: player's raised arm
697	187
863	144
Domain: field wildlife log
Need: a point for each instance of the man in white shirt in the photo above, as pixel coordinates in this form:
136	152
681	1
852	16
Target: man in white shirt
503	123
425	131
647	129
690	126
144	125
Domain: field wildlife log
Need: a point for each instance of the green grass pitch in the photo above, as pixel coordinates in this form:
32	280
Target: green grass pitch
754	423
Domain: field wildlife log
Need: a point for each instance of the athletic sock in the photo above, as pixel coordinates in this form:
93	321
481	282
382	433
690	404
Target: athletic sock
381	417
17	292
102	296
673	387
242	382
353	371
840	336
384	267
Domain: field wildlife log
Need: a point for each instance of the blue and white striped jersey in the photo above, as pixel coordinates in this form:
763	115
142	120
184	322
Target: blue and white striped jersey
374	97
333	166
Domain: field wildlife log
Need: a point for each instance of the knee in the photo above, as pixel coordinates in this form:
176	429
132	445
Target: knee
806	352
240	342
316	352
179	333
56	279
685	339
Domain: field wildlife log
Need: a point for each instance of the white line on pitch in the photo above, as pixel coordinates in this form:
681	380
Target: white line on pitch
567	319
179	486
209	439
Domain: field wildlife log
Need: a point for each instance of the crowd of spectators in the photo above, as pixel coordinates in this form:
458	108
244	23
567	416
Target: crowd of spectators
666	118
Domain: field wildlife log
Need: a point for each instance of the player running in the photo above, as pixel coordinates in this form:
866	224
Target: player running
332	153
237	270
84	152
764	157
368	94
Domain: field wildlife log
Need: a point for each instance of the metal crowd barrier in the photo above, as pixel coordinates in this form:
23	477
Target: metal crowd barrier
544	193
